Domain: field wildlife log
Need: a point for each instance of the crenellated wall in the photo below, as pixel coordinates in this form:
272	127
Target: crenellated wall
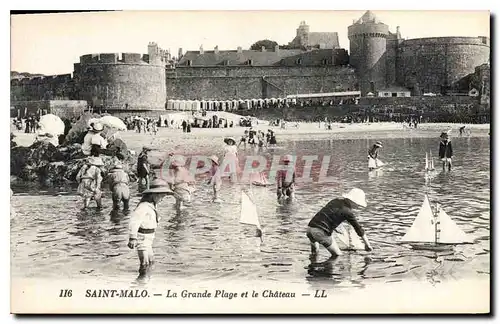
256	82
435	64
120	82
42	88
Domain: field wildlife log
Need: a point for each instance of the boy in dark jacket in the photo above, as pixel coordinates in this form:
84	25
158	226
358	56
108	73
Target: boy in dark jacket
445	151
325	222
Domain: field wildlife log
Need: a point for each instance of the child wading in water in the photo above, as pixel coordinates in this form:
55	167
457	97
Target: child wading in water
119	181
325	222
143	169
445	151
143	223
90	178
286	181
180	182
373	156
231	157
215	178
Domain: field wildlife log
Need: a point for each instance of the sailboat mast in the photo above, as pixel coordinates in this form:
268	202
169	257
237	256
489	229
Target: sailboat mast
426	162
436	224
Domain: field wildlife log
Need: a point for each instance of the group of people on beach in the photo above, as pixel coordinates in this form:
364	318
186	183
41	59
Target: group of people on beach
179	183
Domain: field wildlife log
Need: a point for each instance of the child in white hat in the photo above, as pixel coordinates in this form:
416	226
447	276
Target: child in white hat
144	221
322	225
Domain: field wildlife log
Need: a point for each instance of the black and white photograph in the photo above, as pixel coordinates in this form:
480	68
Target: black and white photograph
250	162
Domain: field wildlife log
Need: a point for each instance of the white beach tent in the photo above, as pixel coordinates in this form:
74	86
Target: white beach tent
228	105
196	106
170	104
176	104
248	104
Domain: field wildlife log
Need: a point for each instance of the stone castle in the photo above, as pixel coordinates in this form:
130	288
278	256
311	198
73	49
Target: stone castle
312	62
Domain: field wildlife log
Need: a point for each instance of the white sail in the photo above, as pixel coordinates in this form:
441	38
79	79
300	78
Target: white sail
349	239
426	162
371	163
450	233
431	162
248	211
423	228
380	163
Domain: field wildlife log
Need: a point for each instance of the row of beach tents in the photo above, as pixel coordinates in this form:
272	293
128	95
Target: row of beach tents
224	105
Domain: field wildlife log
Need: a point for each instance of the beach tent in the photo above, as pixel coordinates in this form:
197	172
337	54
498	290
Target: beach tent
236	104
260	103
247	104
170	104
196	106
254	102
203	104
228	105
175	104
273	100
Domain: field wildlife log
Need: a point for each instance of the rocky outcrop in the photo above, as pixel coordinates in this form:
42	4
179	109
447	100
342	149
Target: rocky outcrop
51	165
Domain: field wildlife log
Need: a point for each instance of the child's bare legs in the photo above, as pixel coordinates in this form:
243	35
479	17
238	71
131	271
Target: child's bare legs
334	249
86	202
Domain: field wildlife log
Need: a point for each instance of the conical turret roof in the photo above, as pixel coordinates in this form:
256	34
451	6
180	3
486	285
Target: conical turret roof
368	17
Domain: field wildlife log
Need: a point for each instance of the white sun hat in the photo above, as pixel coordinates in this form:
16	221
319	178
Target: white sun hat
357	196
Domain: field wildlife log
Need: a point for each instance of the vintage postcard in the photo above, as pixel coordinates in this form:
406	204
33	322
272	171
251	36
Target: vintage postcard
264	162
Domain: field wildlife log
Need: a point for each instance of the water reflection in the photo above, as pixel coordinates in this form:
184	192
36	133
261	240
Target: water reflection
207	241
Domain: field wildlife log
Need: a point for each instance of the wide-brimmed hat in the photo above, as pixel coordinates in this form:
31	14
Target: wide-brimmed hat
357	196
117	167
97	161
229	139
378	143
147	148
96	127
215	159
444	135
288	158
158	186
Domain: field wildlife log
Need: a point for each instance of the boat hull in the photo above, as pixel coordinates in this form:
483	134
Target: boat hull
432	247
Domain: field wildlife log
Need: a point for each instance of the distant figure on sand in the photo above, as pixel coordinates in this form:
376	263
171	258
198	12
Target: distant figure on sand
445	151
215	179
180	182
322	225
119	185
373	156
461	130
285	181
143	168
143	223
90	178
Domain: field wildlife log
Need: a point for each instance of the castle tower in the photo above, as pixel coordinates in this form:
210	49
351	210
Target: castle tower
153	53
303	33
367	47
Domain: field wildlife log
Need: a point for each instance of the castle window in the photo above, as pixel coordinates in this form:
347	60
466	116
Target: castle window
325	62
249	62
189	62
299	61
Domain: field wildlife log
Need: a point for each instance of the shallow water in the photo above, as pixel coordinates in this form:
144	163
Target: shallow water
51	237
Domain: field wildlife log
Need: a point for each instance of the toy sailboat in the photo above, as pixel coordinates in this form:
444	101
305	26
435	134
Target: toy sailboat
435	232
429	162
374	163
348	238
249	214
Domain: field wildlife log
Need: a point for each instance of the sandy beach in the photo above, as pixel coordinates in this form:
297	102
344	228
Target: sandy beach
203	139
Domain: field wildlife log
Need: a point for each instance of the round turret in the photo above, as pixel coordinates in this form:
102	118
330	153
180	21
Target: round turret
131	82
367	46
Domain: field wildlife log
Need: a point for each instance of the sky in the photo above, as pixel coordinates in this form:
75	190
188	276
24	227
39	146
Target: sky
51	43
